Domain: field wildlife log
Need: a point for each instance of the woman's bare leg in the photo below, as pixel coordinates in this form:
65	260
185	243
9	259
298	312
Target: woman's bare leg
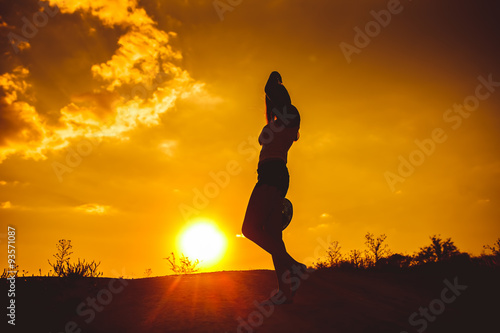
263	225
263	203
281	267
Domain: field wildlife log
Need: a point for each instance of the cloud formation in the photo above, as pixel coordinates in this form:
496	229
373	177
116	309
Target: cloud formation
22	129
139	83
5	205
92	208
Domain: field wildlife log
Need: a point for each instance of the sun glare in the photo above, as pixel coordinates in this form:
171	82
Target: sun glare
204	241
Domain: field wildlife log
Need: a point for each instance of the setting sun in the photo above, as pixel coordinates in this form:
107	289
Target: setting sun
204	241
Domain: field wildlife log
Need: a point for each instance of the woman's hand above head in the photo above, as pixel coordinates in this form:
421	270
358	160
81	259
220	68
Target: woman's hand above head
275	77
276	92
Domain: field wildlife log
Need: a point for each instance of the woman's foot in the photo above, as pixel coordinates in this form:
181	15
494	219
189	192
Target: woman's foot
280	297
300	266
298	273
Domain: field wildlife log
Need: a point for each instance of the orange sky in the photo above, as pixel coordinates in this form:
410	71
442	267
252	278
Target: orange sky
113	114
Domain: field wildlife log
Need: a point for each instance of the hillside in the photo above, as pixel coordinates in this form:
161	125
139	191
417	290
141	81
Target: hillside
327	301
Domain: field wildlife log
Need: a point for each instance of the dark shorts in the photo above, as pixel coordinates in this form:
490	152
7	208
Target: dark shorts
274	173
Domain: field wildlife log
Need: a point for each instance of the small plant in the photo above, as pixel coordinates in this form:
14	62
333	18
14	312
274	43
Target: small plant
396	260
495	249
355	259
185	266
333	257
494	258
6	274
376	248
62	257
439	250
148	272
320	265
63	268
82	269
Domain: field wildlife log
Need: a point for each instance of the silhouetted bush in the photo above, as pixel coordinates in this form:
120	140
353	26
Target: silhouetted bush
333	257
355	259
396	260
185	266
492	259
6	274
63	268
436	256
438	250
82	269
495	249
376	249
62	257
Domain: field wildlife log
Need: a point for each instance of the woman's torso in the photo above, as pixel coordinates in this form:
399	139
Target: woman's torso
276	141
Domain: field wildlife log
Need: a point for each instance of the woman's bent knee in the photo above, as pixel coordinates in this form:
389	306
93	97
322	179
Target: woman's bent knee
251	231
247	231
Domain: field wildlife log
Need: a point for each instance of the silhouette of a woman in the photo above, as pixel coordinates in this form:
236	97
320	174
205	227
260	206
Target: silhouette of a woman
263	220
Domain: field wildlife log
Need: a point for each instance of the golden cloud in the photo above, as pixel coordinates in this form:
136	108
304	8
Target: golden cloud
116	12
10	183
92	208
168	147
140	82
319	226
5	205
22	127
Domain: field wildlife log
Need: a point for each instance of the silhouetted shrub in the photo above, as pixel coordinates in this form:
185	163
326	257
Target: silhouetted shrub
185	266
82	269
63	268
355	259
492	259
439	250
495	249
62	257
436	256
396	261
333	257
320	265
376	249
6	274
